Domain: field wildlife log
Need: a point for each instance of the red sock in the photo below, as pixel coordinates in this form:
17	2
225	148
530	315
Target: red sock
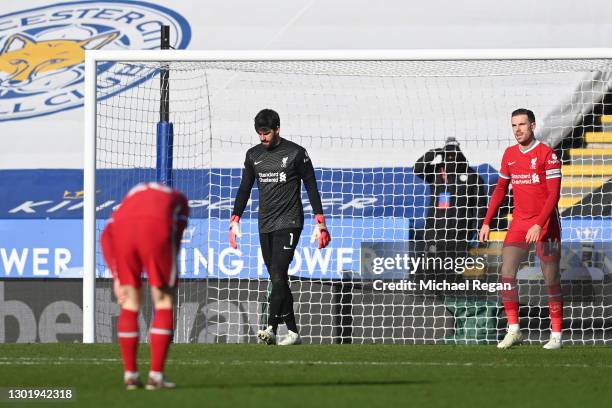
127	332
161	335
555	306
510	299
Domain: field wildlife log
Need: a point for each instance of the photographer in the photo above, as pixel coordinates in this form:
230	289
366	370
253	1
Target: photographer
456	208
457	203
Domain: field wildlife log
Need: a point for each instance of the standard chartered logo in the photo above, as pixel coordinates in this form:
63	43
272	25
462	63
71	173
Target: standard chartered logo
272	177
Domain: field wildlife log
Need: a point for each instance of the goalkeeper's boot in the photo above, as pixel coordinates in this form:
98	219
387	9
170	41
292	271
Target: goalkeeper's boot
554	343
512	338
158	382
131	381
267	336
290	339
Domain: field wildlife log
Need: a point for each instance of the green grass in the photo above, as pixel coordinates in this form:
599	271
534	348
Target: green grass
240	376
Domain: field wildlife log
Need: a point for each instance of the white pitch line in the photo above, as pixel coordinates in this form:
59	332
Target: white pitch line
104	361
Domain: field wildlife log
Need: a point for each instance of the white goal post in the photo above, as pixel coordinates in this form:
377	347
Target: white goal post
364	116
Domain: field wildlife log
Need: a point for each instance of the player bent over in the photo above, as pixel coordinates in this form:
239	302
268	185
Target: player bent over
279	166
145	232
534	171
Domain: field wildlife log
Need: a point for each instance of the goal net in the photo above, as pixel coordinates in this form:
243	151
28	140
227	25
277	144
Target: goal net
366	122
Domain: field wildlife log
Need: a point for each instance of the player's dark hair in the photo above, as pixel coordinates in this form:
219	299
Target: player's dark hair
523	111
267	119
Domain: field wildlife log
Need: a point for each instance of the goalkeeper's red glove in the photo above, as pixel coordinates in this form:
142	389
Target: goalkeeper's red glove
234	231
320	232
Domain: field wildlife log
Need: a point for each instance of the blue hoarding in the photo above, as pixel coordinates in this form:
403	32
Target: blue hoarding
41	220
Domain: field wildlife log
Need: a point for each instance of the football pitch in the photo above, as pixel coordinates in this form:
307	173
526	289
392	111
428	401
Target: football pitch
250	375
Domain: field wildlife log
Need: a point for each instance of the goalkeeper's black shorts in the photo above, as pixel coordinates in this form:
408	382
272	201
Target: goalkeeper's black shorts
277	249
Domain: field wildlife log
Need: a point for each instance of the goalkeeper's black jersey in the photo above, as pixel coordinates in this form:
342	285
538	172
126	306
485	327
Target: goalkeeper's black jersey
278	172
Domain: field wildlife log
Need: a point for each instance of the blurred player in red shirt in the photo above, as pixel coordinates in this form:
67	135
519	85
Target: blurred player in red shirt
534	171
145	233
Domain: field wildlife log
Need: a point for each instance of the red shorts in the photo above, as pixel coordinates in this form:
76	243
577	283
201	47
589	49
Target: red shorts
134	245
548	247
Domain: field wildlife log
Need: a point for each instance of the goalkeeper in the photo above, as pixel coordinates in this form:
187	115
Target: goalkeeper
279	167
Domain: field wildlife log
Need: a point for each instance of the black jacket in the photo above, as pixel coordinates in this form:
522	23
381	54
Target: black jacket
458	203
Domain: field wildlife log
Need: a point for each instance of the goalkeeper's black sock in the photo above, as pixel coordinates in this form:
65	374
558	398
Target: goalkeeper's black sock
287	310
273	321
276	303
290	322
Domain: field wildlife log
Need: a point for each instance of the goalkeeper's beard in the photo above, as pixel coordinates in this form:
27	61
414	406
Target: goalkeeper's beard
273	142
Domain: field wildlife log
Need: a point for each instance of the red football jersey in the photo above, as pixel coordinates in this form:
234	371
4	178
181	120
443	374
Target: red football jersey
154	200
528	171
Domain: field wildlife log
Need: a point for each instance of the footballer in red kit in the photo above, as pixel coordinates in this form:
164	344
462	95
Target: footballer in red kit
530	173
145	233
534	172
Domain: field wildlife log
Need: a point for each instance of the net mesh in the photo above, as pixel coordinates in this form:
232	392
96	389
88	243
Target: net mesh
364	124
